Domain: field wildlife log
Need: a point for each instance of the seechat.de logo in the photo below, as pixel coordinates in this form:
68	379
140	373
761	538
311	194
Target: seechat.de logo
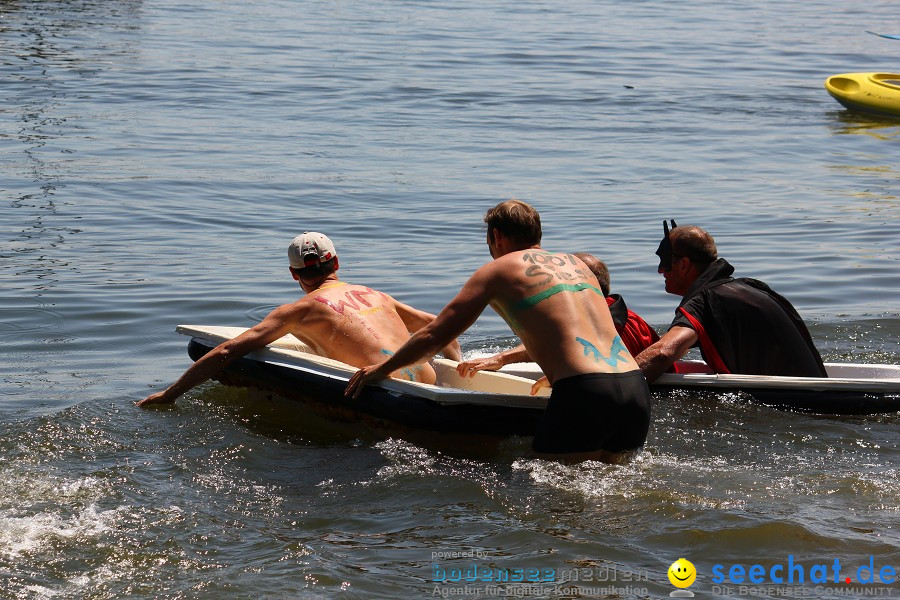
795	573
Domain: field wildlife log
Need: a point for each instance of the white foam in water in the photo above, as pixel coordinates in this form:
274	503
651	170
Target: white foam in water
30	534
38	591
37	510
405	459
481	353
30	538
592	479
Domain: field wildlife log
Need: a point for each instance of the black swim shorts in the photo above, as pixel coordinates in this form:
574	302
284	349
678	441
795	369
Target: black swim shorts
595	411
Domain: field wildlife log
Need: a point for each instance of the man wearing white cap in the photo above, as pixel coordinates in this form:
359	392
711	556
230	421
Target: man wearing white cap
346	322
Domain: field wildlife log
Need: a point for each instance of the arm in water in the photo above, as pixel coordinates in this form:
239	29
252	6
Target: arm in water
278	323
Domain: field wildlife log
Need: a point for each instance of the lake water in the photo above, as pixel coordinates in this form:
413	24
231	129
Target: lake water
158	156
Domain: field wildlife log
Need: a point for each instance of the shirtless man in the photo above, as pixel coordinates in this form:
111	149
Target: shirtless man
350	323
636	334
600	405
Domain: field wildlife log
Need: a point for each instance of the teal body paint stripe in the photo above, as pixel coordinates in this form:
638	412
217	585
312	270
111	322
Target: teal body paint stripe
551	291
408	371
615	349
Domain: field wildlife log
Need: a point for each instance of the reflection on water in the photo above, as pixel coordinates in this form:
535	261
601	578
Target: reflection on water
884	128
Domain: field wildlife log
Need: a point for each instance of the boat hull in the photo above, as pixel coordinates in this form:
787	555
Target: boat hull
822	402
872	93
500	404
380	409
849	389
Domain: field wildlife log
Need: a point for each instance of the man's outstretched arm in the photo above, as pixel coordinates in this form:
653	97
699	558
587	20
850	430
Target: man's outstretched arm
278	323
657	358
454	319
416	319
495	362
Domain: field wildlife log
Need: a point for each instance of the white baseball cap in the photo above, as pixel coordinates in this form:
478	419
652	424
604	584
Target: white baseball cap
309	249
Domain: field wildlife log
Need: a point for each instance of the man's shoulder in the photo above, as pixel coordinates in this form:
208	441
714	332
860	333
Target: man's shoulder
497	265
742	288
302	303
750	282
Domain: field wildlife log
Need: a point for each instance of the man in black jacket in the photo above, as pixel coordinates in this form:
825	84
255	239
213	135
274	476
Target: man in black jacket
741	325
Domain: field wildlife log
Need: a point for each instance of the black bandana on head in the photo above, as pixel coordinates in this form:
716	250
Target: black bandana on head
664	252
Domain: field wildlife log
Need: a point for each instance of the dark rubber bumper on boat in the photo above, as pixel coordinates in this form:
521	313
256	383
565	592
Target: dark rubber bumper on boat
377	405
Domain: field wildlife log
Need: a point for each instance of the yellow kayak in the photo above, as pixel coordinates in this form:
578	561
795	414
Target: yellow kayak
877	93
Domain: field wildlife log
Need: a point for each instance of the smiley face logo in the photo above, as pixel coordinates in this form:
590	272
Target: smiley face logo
682	573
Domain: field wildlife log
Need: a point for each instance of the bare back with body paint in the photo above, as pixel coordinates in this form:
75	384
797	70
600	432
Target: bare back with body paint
351	323
357	325
555	304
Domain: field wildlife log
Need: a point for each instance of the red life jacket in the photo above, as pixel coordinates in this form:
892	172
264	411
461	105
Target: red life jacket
710	354
636	334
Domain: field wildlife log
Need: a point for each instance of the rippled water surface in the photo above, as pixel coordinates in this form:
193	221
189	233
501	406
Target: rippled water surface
158	156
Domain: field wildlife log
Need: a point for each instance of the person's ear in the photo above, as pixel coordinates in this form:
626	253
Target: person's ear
294	274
